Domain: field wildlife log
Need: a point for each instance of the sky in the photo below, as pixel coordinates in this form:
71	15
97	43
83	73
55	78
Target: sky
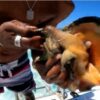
82	8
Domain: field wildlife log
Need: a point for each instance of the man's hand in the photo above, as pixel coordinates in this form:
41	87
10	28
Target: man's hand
9	31
50	71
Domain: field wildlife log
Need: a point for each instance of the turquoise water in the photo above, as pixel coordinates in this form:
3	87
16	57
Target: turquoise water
43	88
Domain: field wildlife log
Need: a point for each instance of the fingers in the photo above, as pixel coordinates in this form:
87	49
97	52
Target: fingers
41	69
53	61
34	42
63	85
88	44
44	67
21	35
56	76
53	73
18	27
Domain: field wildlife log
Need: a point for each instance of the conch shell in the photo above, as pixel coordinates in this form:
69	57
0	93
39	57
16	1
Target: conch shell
90	31
73	48
71	44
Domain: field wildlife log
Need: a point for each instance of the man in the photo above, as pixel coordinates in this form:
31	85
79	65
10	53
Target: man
15	39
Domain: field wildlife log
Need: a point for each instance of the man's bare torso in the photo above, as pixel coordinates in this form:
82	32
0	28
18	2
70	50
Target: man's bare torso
17	10
45	12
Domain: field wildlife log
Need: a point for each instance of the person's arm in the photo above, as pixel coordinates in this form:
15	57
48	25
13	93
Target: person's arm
9	30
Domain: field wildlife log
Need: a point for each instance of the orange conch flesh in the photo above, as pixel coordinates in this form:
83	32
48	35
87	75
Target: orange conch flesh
73	48
86	32
91	32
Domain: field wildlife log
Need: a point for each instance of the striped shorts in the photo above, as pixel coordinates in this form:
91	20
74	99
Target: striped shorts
17	75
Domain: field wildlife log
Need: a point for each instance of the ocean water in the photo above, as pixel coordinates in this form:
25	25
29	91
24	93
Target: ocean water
42	88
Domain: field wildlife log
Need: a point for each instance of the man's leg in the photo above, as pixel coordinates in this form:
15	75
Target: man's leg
29	95
24	90
25	96
16	96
